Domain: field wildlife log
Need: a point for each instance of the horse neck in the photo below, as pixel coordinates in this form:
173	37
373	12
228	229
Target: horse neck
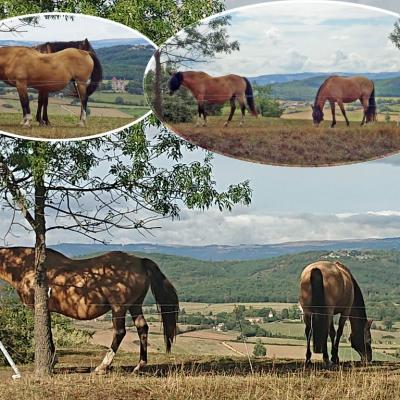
320	99
12	265
189	82
358	314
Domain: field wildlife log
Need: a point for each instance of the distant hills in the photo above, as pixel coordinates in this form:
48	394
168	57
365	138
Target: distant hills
97	44
277	279
232	253
304	86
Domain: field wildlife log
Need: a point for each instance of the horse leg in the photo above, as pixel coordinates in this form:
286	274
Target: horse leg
142	330
118	319
325	354
332	103
308	333
82	93
39	109
233	108
24	99
365	104
335	349
341	105
45	104
242	108
332	334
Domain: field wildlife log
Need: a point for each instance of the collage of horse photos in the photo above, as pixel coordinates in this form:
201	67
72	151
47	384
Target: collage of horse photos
198	199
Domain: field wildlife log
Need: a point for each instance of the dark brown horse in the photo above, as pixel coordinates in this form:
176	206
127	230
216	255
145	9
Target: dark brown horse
340	90
209	90
85	289
24	67
326	289
53	47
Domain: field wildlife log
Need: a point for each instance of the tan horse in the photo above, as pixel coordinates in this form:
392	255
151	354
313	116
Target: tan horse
24	67
209	90
326	289
95	78
85	289
340	90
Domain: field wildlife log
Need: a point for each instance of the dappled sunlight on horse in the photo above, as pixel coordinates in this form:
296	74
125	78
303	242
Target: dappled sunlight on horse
215	90
85	289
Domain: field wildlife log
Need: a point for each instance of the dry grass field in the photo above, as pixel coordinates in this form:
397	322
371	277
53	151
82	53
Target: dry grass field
293	142
189	378
64	117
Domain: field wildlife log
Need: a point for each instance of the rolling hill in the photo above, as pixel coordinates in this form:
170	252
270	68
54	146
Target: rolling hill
303	87
236	253
276	279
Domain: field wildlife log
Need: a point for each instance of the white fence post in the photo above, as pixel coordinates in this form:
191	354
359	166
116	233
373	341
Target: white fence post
17	374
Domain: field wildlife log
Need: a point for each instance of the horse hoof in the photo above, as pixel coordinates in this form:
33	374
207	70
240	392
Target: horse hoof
100	370
139	367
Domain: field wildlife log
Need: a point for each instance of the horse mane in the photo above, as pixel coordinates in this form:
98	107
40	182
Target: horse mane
58	46
322	87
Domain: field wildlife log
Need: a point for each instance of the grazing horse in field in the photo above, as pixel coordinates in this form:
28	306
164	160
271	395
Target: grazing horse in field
328	288
209	90
85	289
53	47
340	90
24	67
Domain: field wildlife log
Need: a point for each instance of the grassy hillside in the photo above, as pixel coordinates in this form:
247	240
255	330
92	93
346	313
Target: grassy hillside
306	89
276	279
127	62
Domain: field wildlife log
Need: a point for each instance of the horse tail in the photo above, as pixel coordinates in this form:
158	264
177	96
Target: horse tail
97	74
166	299
318	317
371	111
250	97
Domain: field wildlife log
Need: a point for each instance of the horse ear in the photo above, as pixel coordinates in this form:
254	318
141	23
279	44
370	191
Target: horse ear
86	40
312	107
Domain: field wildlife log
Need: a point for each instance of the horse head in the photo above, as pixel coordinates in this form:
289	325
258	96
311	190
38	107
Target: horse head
175	82
317	115
361	341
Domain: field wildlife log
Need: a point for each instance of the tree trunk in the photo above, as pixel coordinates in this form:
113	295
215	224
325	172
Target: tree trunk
42	333
158	108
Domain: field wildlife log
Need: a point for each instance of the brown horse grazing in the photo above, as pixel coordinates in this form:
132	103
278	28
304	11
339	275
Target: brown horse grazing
88	288
209	90
24	67
337	89
328	288
53	47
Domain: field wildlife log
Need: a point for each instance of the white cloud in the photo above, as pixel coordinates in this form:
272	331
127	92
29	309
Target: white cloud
273	35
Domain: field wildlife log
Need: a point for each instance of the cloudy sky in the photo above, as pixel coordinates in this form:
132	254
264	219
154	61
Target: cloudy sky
289	204
307	36
60	29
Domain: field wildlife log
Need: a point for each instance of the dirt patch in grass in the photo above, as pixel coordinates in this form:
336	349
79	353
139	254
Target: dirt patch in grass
294	142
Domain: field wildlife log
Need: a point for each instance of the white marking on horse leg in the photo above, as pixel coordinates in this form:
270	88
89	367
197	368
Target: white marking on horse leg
140	366
205	121
28	119
198	123
108	359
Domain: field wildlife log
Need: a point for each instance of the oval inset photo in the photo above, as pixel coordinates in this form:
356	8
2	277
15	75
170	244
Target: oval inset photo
296	83
70	76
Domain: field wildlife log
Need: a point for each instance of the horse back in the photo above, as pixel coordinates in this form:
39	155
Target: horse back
337	282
